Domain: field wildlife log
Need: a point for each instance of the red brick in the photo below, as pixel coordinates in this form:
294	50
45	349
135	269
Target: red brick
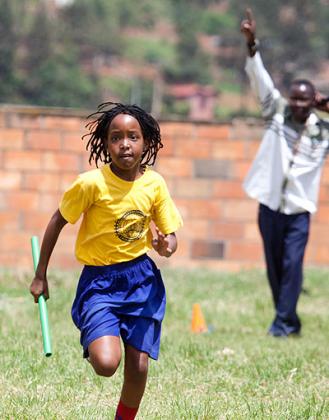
11	138
85	165
240	129
228	189
212	168
21	120
183	249
228	230
195	148
22	200
10	220
10	180
194	188
14	259
319	233
244	250
168	148
65	261
42	181
2	120
251	231
199	209
72	142
251	148
207	249
182	129
324	194
63	122
240	169
43	140
68	237
195	228
3	200
234	150
21	160
36	220
174	166
217	131
66	179
320	255
242	210
15	241
61	162
48	202
325	175
322	215
30	190
171	181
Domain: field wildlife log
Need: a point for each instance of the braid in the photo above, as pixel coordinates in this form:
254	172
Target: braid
99	126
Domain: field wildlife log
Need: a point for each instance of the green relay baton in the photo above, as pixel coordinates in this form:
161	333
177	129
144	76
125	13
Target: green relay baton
42	303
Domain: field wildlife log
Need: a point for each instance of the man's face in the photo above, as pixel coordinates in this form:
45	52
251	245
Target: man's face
301	100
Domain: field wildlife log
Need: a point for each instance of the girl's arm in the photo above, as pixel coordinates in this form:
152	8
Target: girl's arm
165	245
39	284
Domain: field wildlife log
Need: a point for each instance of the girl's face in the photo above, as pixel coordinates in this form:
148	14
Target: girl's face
125	144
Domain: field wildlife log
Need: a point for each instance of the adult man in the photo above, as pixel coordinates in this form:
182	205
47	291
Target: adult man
284	178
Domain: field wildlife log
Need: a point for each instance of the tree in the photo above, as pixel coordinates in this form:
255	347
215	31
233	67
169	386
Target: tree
191	63
292	35
8	44
52	73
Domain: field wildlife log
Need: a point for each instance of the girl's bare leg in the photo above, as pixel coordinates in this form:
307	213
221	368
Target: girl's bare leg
135	376
105	355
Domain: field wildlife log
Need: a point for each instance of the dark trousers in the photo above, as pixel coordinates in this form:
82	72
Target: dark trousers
284	239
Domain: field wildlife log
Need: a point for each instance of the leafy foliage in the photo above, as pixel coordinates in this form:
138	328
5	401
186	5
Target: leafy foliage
65	56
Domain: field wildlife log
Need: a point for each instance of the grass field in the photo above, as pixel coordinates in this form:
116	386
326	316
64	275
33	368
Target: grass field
234	372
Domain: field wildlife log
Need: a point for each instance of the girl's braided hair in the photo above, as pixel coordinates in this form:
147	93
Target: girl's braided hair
98	131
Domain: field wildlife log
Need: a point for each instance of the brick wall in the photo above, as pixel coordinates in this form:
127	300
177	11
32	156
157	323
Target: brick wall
41	152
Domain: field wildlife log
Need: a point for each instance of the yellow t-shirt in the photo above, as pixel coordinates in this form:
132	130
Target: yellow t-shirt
117	214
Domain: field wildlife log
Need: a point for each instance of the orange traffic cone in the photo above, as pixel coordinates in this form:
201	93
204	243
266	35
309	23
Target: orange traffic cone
198	324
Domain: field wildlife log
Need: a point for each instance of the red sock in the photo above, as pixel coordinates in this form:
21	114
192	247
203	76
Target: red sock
125	413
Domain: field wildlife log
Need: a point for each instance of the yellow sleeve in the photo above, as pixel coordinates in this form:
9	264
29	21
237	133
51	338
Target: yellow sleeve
76	200
165	214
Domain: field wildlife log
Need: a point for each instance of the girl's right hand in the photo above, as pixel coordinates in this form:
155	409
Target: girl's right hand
38	287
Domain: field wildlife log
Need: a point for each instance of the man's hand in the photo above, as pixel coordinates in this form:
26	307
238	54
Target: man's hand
248	27
164	245
321	102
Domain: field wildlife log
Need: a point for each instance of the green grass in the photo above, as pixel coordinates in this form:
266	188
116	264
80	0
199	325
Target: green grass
234	372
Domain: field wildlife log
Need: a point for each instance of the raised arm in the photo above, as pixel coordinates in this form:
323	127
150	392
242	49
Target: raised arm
39	284
260	80
248	28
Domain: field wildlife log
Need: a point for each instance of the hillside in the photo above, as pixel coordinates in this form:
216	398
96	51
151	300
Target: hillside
175	58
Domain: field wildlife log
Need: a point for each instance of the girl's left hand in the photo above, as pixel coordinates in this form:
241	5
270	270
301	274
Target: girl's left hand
161	244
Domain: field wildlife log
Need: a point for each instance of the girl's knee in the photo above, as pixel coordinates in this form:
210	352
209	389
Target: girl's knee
104	365
105	355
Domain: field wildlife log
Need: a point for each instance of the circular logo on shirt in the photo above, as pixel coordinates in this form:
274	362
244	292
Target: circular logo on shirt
130	226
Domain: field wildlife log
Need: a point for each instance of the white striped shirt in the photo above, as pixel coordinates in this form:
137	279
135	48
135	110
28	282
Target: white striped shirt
285	174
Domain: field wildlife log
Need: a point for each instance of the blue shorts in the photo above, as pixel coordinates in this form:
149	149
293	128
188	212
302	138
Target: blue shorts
126	299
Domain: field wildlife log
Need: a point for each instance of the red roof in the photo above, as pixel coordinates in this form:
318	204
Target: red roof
187	90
